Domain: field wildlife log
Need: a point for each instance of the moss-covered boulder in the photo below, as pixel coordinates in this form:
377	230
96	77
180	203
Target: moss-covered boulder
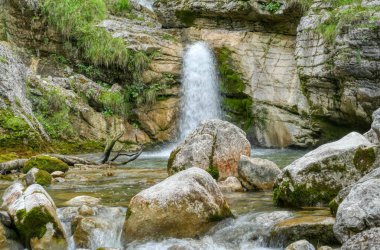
47	163
38	176
215	146
184	205
35	218
316	229
317	177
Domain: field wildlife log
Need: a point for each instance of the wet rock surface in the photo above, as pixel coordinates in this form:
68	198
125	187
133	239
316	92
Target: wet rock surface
184	205
257	174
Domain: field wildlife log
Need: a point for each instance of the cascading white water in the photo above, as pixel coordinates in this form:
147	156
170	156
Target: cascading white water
200	88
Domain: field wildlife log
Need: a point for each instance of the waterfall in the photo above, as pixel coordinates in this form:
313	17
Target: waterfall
200	88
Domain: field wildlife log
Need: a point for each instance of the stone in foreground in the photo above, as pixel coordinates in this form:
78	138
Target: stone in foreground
215	146
369	239
35	217
360	209
184	205
316	229
231	184
257	174
318	176
300	245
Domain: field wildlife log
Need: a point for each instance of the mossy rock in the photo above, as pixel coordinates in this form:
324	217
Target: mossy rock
8	157
33	223
333	205
47	163
43	178
288	194
364	159
187	17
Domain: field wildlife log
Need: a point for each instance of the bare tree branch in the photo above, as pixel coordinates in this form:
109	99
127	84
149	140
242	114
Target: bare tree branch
109	147
8	166
134	157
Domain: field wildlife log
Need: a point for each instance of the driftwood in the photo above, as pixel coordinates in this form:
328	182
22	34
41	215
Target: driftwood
18	164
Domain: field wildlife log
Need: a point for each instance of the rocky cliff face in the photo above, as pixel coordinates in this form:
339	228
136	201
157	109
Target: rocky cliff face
289	77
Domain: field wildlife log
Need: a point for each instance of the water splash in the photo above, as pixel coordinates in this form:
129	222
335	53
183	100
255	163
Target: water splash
200	88
146	3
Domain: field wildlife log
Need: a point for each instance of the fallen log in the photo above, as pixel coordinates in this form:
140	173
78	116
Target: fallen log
7	167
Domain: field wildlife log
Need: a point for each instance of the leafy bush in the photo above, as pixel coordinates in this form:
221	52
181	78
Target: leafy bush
272	6
213	171
47	163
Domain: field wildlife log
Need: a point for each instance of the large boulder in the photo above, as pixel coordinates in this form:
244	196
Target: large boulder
231	184
215	146
186	204
257	174
369	239
316	229
360	209
34	215
318	176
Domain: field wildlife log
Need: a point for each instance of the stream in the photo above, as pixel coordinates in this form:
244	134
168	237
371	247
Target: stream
254	211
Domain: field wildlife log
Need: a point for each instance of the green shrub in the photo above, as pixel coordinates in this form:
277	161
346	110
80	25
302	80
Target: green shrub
213	171
272	6
47	163
43	178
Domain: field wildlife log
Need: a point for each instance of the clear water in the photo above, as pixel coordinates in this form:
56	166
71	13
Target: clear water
200	88
254	211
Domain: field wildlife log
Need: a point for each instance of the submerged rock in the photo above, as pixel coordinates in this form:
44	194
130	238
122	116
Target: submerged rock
184	205
38	176
83	200
257	174
34	215
316	229
215	146
300	245
369	239
360	209
231	184
318	176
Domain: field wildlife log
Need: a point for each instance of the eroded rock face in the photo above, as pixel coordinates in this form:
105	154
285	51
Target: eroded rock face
369	239
34	215
230	14
360	209
214	144
340	76
183	205
318	176
256	173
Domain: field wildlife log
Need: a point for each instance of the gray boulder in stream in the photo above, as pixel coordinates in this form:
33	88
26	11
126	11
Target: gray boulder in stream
184	205
360	209
257	174
35	218
369	239
215	146
317	177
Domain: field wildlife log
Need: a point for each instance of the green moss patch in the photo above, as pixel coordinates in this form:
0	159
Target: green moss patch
333	205
213	171
8	157
47	163
364	159
288	194
43	178
15	132
33	223
171	159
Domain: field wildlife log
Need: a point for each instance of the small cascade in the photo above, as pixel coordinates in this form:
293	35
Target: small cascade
106	230
200	88
250	231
